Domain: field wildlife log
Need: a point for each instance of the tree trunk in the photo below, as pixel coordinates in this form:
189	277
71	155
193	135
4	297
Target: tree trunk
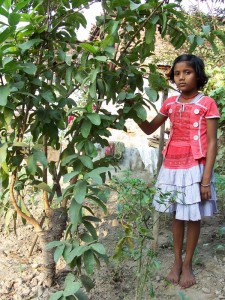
155	230
57	219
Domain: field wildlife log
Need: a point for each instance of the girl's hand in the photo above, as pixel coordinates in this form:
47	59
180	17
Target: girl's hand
205	192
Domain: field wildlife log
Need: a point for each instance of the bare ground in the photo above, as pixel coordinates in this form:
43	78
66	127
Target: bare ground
20	274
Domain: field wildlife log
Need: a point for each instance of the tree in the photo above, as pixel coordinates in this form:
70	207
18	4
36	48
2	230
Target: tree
43	67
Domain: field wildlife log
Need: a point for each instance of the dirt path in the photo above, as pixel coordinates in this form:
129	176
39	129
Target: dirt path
20	276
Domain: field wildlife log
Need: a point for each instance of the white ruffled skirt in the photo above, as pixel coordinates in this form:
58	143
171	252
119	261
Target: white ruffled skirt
178	190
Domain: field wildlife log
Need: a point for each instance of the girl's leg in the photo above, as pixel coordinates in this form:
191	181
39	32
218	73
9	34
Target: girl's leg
178	237
187	277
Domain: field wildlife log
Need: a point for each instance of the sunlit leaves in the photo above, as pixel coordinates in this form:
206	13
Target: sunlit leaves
89	47
206	29
94	118
6	33
150	33
27	45
29	68
13	19
3	152
4	92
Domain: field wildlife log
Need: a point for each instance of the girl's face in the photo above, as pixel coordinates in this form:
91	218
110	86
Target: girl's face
185	78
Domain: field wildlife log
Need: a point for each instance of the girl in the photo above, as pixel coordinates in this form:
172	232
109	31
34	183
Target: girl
189	156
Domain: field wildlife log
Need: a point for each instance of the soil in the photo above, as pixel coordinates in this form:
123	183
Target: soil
20	275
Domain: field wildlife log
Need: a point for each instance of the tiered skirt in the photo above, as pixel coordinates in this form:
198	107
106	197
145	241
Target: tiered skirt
178	190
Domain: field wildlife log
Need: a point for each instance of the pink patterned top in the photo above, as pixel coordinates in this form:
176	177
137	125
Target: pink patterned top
179	151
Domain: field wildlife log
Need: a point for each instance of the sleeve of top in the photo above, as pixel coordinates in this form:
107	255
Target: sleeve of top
212	111
164	109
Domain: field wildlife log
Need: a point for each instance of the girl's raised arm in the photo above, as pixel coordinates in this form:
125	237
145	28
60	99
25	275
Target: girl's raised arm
150	127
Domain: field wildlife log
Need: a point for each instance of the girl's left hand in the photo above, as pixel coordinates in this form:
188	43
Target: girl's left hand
205	192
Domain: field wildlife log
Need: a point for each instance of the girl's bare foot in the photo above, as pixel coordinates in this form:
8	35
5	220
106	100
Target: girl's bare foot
187	278
174	274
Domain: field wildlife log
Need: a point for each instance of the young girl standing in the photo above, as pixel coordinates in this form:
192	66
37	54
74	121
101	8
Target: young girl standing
189	156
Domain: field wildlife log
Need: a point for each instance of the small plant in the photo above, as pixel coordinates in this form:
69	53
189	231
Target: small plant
182	296
196	257
220	248
134	211
220	189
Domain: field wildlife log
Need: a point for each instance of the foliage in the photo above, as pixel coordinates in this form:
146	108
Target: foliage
220	189
134	211
207	38
45	73
215	89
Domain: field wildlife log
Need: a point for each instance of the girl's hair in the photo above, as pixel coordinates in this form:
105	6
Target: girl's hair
196	63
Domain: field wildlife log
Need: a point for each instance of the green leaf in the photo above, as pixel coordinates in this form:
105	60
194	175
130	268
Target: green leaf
48	96
94	118
141	112
100	170
4	92
71	288
178	40
8	217
199	40
56	295
89	261
53	245
13	18
122	95
91	229
58	252
101	58
134	6
78	251
150	33
86	128
90	148
3	152
69	76
206	29
92	90
5	167
80	191
3	11
29	68
94	174
27	45
21	4
69	176
87	282
40	156
114	3
75	213
93	75
113	26
31	164
43	186
108	40
80	295
152	94
99	248
89	48
100	203
86	161
6	60
69	159
6	33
